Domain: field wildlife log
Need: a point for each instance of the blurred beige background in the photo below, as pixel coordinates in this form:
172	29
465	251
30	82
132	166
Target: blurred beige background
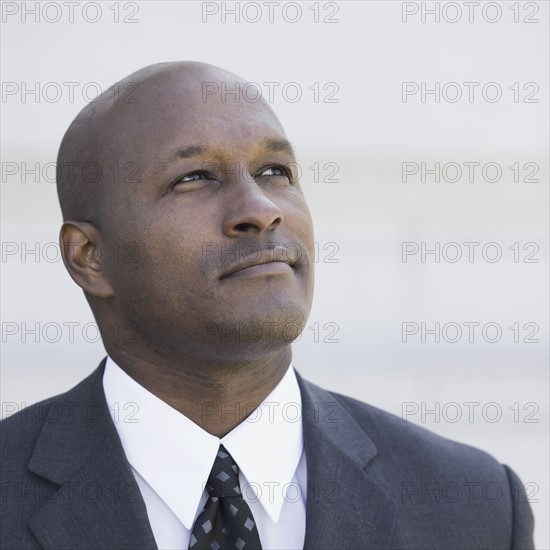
363	210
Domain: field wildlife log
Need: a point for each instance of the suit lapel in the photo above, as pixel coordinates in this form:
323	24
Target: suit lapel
345	507
98	504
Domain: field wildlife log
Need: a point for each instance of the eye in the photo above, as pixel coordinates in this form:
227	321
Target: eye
273	171
192	180
194	176
276	171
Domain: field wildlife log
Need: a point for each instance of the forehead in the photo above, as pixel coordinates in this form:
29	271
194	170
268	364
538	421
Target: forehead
176	114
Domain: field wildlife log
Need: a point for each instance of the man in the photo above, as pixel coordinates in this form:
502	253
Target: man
192	241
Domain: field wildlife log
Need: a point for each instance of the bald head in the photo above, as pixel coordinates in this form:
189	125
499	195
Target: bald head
166	174
108	147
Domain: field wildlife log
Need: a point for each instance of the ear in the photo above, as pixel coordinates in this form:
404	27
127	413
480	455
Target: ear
80	247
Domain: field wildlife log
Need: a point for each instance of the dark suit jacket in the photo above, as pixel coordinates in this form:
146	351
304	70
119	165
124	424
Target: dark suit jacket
373	481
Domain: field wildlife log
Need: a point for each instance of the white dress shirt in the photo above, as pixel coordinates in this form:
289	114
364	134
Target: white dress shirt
171	458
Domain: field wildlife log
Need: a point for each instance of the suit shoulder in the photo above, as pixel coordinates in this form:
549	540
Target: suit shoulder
19	434
442	483
20	431
417	444
26	421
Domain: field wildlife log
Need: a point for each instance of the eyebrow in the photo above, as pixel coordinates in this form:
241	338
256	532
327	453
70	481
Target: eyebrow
194	151
278	146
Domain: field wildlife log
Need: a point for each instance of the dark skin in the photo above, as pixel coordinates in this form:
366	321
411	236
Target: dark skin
184	308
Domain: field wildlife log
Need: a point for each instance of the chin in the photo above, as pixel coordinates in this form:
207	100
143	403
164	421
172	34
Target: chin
258	331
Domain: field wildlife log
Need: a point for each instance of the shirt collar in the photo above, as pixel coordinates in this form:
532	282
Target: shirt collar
268	445
175	455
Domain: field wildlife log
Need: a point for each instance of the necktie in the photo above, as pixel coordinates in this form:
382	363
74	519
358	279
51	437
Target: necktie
226	521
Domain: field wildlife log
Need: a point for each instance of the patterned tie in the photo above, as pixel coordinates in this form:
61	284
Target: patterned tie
226	521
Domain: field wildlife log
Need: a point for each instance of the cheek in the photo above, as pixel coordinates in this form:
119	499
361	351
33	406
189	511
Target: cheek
149	256
172	257
300	223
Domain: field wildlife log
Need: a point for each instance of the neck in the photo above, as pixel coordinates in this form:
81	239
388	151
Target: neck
215	398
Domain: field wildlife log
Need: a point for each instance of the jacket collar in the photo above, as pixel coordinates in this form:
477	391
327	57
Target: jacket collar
346	507
98	504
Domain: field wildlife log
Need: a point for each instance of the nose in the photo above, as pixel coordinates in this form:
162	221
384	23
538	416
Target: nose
248	208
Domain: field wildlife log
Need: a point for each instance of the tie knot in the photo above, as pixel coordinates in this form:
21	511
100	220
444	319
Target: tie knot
224	477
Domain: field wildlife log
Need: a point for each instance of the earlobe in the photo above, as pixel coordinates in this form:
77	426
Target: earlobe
80	244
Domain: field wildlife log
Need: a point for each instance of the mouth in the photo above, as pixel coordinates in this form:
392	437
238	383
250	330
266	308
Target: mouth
266	262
